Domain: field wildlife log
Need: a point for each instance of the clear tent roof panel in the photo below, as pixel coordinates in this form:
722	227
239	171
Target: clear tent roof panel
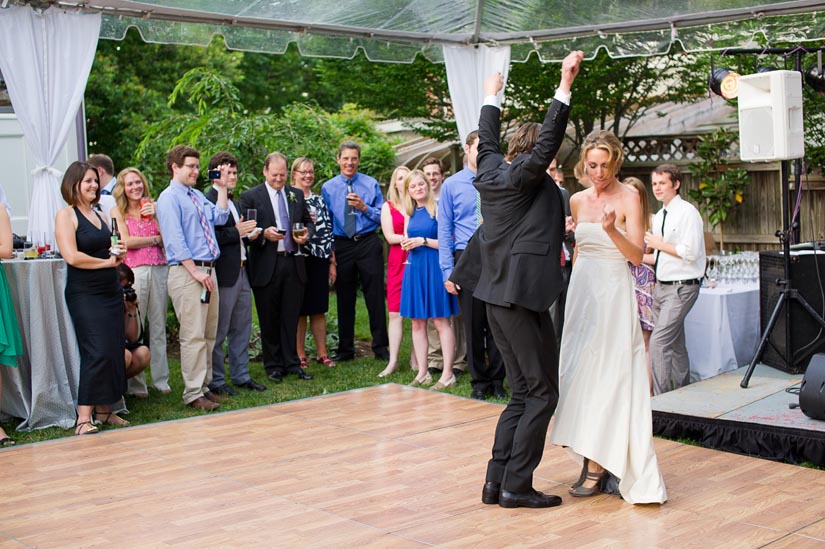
398	30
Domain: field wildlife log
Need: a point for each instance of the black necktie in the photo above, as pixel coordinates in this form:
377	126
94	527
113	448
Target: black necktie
349	214
658	252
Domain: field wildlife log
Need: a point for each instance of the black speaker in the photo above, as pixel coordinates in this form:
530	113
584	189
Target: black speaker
812	391
807	275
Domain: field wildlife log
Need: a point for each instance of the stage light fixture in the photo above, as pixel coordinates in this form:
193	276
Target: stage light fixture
724	82
815	78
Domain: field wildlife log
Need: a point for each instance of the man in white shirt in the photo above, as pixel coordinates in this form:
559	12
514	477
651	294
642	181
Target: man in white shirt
106	172
678	244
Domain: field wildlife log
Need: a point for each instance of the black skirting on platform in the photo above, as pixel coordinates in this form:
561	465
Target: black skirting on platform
765	441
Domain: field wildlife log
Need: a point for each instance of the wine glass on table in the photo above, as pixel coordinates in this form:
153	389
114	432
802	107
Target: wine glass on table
298	231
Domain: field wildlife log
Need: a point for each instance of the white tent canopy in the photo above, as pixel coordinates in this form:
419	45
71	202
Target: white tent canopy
473	37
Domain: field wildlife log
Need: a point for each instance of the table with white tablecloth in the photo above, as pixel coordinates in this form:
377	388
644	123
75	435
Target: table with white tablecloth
722	330
42	390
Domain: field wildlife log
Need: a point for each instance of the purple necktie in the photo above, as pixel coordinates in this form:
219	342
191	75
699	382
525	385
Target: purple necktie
210	242
289	244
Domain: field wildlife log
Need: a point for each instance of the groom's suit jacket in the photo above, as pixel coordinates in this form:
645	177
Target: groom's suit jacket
520	244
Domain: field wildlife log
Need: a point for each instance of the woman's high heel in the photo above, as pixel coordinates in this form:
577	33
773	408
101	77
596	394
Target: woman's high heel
583	474
582	492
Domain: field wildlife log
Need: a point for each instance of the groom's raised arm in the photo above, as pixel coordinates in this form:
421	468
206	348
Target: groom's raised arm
489	126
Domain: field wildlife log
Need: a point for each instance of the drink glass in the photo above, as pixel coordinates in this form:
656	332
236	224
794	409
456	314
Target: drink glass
143	201
252	214
298	231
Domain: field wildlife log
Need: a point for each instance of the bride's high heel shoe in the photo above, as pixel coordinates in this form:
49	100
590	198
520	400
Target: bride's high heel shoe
582	476
582	492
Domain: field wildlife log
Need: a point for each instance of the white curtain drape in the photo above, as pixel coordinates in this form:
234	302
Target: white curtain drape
467	67
45	57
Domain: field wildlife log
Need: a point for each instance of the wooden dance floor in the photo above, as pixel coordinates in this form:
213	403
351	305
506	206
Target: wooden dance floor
387	466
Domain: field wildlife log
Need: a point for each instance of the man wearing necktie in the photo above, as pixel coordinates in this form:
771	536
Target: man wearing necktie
679	244
235	310
458	218
276	274
354	202
187	222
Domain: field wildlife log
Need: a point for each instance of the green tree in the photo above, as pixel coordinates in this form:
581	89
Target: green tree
216	120
720	187
129	83
609	94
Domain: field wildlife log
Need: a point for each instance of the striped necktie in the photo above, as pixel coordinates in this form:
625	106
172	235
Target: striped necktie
210	242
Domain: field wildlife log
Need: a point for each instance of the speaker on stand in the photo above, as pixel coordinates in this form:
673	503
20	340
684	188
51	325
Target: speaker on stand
770	128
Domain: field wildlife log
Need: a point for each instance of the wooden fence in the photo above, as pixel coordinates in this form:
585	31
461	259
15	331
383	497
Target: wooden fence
751	225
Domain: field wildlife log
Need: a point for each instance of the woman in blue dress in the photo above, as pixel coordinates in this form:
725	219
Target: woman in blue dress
423	295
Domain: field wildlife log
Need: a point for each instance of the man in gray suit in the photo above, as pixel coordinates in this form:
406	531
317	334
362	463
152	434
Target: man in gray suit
235	307
519	248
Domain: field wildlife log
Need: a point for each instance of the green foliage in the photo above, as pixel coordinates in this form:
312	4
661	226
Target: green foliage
129	85
720	187
222	124
814	122
206	90
610	94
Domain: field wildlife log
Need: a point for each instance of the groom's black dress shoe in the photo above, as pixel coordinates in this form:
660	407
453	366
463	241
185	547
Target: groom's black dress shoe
533	498
489	494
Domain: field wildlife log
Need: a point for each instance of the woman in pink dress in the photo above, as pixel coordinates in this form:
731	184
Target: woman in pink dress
135	214
392	225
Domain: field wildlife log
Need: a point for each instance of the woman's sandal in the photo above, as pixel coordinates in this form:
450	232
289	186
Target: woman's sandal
6	441
90	430
326	361
303	362
582	492
583	475
111	419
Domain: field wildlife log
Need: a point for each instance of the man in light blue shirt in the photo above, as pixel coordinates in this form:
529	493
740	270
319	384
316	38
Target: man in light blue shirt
458	219
354	202
187	222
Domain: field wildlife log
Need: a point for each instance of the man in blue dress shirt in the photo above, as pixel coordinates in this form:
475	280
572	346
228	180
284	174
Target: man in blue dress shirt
187	223
354	202
458	219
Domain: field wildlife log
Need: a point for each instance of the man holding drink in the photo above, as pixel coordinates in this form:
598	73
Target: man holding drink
276	269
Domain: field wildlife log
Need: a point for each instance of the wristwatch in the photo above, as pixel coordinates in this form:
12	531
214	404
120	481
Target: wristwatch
155	241
425	240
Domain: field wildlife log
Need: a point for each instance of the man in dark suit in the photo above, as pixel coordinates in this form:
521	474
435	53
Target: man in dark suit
519	248
277	275
235	309
557	309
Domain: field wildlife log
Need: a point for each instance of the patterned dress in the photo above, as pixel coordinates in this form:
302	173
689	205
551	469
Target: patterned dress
644	279
316	289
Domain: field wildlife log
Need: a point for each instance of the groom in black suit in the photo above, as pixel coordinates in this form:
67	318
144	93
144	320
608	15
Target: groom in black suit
519	245
276	274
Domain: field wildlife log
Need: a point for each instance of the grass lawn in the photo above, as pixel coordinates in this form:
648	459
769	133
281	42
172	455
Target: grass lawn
362	372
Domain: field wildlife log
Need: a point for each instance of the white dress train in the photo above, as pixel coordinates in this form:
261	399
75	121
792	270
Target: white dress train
604	404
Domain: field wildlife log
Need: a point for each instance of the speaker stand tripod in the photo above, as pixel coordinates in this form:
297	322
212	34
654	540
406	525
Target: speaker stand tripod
787	294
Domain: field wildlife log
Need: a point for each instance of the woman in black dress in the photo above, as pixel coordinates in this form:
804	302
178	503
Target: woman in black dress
94	297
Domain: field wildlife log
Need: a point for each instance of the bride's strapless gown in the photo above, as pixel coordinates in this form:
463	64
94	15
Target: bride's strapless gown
604	405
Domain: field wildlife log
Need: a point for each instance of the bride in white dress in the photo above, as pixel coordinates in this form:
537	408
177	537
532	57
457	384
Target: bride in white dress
603	416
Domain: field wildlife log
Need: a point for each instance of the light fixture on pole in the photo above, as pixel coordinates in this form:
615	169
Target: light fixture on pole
724	82
814	76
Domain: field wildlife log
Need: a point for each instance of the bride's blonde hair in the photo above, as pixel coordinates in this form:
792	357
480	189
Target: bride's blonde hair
606	141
